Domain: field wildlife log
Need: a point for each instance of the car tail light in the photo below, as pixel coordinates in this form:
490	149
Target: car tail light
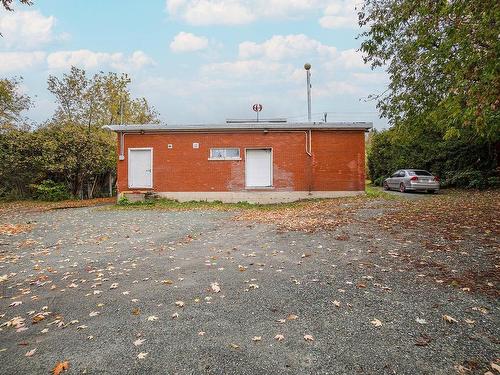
436	178
414	178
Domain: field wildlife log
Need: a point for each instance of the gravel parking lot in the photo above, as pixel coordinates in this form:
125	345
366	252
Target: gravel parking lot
203	292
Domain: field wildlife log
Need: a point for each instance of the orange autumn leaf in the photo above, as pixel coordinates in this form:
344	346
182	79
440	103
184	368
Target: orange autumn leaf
60	367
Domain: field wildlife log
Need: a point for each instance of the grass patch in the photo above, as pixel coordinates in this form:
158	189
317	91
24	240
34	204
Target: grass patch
374	192
175	205
371	191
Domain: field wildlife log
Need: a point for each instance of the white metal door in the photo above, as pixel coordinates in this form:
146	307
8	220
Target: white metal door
258	168
140	168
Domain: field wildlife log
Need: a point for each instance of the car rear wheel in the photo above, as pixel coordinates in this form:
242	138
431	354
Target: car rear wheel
386	185
402	187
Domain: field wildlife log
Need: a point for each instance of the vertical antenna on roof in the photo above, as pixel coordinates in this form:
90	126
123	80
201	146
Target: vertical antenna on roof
307	67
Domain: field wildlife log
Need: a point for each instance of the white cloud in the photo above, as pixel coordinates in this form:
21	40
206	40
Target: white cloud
174	5
248	70
209	12
351	58
187	42
240	12
336	88
18	61
91	60
27	29
340	14
281	47
136	61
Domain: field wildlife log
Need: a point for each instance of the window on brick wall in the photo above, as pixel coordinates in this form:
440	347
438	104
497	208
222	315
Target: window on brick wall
224	154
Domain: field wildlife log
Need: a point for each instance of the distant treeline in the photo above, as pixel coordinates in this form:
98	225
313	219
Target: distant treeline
69	155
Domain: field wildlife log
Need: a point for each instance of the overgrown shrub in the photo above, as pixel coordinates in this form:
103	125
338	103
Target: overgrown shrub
465	162
471	180
123	201
49	190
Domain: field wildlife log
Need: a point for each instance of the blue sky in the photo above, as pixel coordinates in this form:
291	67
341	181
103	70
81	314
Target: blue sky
199	61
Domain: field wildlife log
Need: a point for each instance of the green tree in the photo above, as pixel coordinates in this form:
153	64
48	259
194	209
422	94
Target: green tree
82	152
12	104
100	100
443	60
20	162
68	157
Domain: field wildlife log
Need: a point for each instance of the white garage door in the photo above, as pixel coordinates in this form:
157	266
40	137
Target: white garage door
258	168
140	168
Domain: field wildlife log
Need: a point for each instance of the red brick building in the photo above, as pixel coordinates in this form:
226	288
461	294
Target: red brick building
255	162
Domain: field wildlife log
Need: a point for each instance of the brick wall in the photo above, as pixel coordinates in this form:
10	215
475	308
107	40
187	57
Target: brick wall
337	162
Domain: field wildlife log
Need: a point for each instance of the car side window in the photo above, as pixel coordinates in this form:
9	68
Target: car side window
396	174
402	174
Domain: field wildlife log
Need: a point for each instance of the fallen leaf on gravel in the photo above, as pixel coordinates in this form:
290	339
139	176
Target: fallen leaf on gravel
11	229
83	326
201	333
470	321
423	340
376	322
292	317
421	321
152	318
461	370
215	287
253	286
45	330
482	310
179	304
257	338
136	311
16	303
308	338
336	303
113	286
449	319
234	346
167	282
175	315
279	337
30	353
139	342
281	321
37	318
495	366
60	367
142	355
94	313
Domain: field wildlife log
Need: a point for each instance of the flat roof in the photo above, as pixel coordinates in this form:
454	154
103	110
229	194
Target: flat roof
132	128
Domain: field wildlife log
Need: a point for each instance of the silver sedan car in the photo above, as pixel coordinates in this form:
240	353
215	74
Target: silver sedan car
412	180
